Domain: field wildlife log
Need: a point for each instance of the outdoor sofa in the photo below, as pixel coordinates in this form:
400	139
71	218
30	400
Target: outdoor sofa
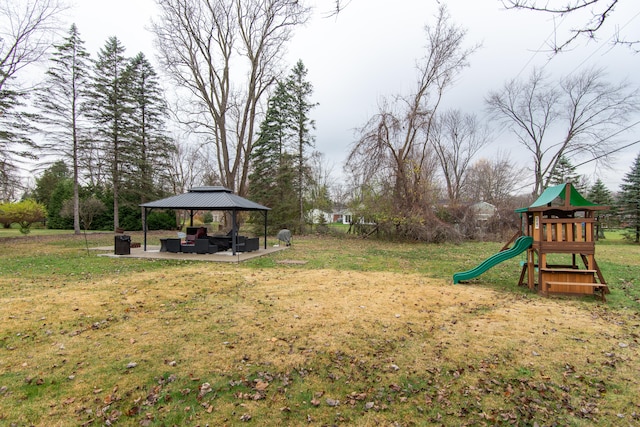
197	241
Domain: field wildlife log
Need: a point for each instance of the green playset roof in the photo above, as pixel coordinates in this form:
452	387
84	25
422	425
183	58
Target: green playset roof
560	191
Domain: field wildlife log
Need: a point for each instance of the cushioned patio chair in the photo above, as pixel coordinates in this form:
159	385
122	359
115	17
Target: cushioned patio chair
248	244
189	244
197	230
223	243
173	245
203	246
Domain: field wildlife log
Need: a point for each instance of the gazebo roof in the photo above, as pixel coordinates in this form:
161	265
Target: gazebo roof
207	198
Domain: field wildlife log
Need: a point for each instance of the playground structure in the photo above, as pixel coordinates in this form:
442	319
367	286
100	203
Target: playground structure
557	231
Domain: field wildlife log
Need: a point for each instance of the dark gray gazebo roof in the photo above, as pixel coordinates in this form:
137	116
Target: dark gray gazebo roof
207	199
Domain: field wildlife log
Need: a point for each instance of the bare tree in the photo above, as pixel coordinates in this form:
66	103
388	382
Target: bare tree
339	5
577	117
493	180
89	208
394	142
9	181
457	138
187	168
321	182
26	31
593	14
204	45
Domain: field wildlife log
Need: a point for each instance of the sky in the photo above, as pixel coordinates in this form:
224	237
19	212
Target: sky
369	51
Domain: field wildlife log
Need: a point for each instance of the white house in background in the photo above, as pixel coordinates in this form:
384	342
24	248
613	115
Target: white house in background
484	211
314	215
342	216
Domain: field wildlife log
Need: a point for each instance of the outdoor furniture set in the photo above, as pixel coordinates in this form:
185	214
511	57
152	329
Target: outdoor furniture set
197	241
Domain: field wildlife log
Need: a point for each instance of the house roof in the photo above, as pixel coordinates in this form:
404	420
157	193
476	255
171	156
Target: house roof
207	199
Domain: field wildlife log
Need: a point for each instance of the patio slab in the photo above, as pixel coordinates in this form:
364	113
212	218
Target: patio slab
153	252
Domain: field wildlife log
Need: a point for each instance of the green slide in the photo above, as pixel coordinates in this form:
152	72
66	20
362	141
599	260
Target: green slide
519	246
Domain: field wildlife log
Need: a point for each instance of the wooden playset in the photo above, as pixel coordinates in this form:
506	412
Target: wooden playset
561	223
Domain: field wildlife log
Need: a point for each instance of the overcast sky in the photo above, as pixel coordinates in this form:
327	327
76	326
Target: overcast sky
369	51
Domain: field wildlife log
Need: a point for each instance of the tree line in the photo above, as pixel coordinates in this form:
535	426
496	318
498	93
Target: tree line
413	163
100	125
413	168
105	119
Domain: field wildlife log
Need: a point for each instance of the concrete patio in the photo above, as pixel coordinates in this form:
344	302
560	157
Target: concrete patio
153	252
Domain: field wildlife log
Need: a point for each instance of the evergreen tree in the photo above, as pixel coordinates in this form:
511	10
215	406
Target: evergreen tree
62	193
630	199
284	208
150	148
300	91
271	179
48	181
60	102
110	110
563	172
601	195
280	170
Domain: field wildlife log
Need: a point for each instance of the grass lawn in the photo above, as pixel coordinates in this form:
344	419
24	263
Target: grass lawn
14	231
332	331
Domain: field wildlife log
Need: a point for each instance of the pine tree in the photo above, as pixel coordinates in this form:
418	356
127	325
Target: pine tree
61	102
110	110
284	210
563	172
150	148
630	199
271	179
48	181
300	91
280	169
601	195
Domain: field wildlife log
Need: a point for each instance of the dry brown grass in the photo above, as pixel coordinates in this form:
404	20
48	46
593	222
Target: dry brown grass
284	345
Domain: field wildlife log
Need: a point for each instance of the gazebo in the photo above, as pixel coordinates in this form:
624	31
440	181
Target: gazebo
208	199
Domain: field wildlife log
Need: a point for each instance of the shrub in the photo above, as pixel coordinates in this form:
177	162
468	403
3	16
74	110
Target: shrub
161	221
23	213
88	209
62	192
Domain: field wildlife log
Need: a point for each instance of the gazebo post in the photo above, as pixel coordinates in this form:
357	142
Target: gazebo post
144	228
265	229
234	233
